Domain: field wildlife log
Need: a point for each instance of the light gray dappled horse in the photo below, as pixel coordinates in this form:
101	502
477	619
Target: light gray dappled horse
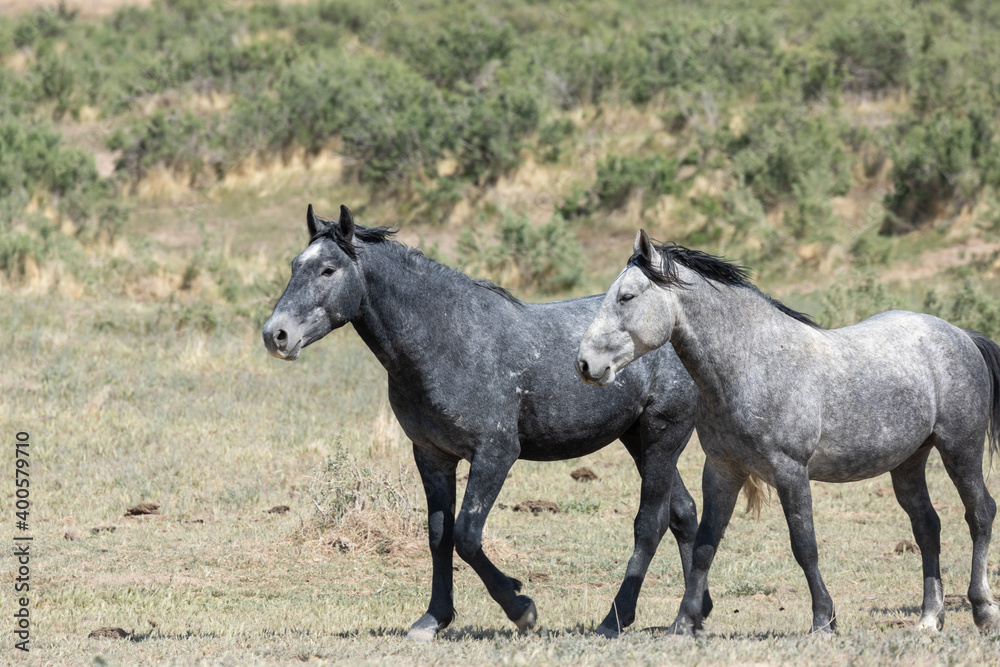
788	401
476	374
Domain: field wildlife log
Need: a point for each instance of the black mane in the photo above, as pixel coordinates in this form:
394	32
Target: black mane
365	234
385	233
711	267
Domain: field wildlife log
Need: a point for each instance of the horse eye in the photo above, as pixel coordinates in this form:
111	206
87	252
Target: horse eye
328	271
626	297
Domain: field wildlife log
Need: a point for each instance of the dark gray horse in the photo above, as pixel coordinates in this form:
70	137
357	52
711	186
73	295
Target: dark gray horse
789	401
476	374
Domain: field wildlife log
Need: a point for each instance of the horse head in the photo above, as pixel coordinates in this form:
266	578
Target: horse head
635	317
324	292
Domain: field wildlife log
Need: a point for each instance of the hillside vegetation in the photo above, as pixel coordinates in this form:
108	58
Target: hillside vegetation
804	141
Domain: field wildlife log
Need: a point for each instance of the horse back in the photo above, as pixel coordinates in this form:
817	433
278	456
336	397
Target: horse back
899	379
517	376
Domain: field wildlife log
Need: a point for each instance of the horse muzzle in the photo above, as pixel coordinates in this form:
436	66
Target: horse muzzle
280	342
601	377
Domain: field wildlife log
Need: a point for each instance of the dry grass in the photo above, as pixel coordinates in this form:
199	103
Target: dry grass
128	402
216	432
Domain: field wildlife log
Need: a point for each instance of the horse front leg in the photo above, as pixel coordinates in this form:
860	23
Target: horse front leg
437	472
487	473
792	483
720	488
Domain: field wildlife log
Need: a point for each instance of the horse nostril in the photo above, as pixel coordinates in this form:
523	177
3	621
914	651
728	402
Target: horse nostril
282	338
583	367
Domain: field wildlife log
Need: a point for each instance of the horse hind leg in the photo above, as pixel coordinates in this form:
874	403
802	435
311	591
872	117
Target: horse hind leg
684	526
487	473
965	467
909	483
663	502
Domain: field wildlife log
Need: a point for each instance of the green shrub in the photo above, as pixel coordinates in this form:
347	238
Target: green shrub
552	136
871	51
787	152
971	306
618	176
578	202
34	161
842	306
932	166
742	210
547	257
179	140
450	54
490	135
390	119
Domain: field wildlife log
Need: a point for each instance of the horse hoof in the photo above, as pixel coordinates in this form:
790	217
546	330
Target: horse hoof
823	631
681	628
607	631
424	630
988	620
528	617
930	624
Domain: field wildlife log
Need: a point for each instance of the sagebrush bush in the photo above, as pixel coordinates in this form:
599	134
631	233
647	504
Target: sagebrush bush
787	151
36	165
971	306
871	51
844	305
619	175
357	507
547	257
934	168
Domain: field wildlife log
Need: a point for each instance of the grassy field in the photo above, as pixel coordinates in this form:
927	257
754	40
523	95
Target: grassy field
126	407
173	400
156	159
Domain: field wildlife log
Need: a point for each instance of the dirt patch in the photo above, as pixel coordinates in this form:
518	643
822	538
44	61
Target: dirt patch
143	509
538	577
537	506
906	547
278	509
584	474
933	262
109	633
957	603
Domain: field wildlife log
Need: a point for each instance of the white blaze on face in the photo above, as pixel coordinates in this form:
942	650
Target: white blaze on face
310	252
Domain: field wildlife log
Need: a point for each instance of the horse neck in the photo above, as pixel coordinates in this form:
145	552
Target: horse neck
722	333
405	293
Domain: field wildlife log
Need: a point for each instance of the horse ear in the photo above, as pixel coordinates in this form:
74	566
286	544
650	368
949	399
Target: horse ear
311	221
346	223
642	245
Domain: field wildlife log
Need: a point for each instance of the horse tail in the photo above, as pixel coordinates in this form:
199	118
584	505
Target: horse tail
991	355
758	493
